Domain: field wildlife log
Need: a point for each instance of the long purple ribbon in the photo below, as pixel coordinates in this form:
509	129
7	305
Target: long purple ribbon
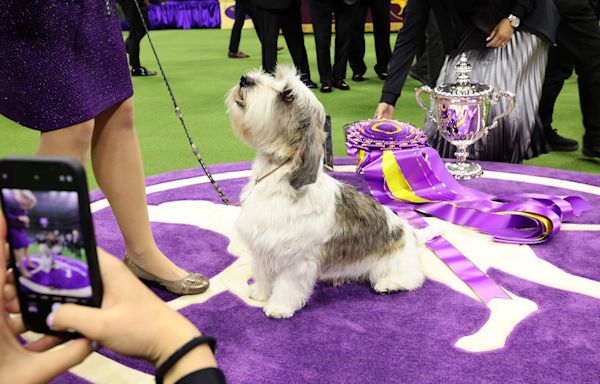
518	218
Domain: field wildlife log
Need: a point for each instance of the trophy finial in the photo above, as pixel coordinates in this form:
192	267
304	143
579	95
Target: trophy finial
463	68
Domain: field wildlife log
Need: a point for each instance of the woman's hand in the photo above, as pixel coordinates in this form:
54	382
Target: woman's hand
500	35
384	110
133	321
31	363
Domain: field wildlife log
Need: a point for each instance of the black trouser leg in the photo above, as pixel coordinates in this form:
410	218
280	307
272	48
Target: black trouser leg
559	68
579	35
238	24
136	29
380	12
344	19
434	50
291	26
356	56
320	13
251	11
268	22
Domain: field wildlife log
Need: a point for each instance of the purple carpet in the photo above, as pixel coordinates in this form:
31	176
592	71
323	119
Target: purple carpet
349	334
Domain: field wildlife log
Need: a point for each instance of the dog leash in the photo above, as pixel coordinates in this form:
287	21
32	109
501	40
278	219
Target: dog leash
193	146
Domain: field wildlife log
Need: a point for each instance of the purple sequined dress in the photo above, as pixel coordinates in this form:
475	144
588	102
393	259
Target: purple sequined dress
62	62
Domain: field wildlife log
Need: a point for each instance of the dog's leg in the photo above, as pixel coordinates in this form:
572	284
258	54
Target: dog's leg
291	289
261	289
401	271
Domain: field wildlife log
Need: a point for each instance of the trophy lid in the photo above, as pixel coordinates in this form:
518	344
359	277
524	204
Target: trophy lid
463	87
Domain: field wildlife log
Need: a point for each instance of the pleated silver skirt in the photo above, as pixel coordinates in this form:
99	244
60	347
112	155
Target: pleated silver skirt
519	67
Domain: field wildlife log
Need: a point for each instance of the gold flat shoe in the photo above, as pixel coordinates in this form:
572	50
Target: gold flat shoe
192	284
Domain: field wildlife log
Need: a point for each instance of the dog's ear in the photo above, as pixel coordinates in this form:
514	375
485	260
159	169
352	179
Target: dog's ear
307	162
287	95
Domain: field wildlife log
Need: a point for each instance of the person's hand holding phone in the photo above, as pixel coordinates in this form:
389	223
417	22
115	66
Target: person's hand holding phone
33	362
133	321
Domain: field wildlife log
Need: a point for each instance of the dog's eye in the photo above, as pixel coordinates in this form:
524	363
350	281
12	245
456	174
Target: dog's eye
287	95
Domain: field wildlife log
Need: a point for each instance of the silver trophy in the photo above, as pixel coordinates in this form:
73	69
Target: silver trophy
460	112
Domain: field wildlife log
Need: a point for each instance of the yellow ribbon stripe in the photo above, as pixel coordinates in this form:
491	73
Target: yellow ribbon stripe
396	181
546	222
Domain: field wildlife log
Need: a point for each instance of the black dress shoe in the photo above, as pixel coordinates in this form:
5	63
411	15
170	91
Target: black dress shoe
358	77
309	83
383	75
559	143
142	71
237	55
591	151
326	88
341	84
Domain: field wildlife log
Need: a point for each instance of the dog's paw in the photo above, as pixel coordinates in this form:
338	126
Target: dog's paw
406	283
385	286
278	311
257	293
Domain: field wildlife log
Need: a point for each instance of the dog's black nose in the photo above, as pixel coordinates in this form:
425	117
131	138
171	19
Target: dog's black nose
246	81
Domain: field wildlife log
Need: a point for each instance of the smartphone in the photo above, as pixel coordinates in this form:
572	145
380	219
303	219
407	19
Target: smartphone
51	235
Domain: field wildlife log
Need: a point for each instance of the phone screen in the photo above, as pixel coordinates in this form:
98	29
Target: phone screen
51	236
45	236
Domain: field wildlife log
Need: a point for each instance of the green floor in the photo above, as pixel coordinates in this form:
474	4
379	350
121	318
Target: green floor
200	74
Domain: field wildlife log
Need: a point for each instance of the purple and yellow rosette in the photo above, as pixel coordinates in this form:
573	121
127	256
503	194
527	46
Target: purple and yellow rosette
409	177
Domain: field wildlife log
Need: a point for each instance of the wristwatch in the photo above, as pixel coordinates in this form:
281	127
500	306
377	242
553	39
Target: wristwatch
514	21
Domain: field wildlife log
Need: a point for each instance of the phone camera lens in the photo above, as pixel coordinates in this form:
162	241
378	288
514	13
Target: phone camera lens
4	176
36	177
61	178
69	179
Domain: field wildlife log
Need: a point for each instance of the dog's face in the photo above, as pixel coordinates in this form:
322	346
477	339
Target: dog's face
281	118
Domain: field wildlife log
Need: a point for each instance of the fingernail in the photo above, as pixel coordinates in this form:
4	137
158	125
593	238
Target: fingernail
488	38
50	320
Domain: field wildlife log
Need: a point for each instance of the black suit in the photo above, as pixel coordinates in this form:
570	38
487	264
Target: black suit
578	47
380	15
321	12
284	14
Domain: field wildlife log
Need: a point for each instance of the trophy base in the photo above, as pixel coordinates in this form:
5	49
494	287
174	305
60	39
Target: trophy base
464	170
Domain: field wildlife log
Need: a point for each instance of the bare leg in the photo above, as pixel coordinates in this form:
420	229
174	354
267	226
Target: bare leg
73	141
19	256
117	163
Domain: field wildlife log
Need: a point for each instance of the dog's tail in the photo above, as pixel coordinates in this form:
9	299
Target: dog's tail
425	234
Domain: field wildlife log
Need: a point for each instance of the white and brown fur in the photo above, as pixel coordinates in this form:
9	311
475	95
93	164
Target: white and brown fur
299	223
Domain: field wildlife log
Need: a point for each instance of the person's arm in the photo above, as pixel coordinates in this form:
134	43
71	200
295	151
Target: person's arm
522	8
410	37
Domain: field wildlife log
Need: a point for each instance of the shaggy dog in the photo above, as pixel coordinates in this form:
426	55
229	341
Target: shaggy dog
299	223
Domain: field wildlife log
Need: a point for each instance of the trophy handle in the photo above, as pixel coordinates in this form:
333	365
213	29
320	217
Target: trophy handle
429	91
495	99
